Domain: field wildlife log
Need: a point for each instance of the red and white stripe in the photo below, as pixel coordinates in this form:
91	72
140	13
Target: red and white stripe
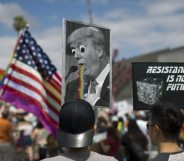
29	84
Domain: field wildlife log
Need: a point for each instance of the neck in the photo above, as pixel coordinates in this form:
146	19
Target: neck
168	147
102	65
76	150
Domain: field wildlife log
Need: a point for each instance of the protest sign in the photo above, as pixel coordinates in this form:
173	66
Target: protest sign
156	81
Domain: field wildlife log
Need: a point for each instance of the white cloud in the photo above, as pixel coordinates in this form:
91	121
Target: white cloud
131	34
9	10
54	1
165	7
115	14
50	40
104	2
7	44
155	29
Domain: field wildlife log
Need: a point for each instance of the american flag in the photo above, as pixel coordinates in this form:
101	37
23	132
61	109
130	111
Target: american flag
33	83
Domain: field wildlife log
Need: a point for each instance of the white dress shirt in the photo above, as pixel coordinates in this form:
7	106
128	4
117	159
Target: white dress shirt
92	98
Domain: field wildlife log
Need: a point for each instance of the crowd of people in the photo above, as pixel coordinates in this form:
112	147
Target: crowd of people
22	136
125	138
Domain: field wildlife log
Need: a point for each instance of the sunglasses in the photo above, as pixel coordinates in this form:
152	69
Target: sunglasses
149	124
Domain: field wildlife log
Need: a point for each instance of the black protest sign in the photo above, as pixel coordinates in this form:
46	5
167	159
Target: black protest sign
156	81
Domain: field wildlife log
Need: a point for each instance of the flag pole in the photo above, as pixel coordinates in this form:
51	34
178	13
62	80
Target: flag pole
90	11
11	59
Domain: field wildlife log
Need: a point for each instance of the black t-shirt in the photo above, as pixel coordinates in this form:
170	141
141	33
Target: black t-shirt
177	156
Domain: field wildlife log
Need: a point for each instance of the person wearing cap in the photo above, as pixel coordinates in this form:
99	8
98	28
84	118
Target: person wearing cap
163	128
6	137
90	51
76	123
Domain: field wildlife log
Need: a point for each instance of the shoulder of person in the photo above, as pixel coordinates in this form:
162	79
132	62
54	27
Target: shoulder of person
56	158
100	157
161	157
153	159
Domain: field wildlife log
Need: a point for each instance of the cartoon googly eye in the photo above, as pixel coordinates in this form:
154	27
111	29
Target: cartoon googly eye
82	48
73	51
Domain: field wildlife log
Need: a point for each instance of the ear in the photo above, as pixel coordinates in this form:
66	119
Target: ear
100	52
94	127
156	130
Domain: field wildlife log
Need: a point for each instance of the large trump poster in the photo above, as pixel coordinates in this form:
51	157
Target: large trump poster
87	63
156	81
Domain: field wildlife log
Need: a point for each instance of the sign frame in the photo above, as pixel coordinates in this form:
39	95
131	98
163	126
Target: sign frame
157	82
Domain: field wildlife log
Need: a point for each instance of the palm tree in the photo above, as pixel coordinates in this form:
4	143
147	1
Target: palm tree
19	23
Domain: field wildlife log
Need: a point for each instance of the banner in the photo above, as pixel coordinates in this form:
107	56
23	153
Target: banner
156	81
87	63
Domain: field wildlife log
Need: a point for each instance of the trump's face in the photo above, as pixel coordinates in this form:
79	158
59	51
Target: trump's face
88	55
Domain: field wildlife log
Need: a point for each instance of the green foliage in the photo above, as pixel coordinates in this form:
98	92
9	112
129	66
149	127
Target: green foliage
19	23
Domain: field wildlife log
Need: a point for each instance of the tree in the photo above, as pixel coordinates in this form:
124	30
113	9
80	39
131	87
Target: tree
19	23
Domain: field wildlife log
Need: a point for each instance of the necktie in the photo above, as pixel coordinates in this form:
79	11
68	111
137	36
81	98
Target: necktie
93	85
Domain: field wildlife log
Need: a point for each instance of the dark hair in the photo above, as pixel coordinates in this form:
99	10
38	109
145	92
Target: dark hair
87	32
168	118
136	134
39	125
112	131
101	124
5	114
95	34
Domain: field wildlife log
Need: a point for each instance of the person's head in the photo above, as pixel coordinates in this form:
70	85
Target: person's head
39	125
101	125
88	47
113	133
136	134
165	123
5	114
114	120
76	123
51	141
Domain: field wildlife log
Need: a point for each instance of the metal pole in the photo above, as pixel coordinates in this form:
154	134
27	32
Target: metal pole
90	11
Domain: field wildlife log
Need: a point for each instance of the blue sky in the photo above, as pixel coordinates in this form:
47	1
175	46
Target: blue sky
137	26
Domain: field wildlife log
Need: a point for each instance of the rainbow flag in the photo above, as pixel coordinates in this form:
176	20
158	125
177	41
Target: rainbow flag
1	76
